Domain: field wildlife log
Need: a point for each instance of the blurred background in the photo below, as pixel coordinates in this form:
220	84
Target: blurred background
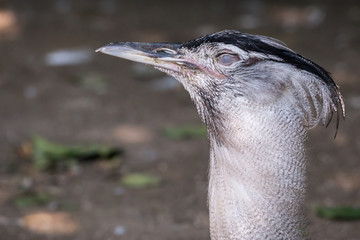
94	147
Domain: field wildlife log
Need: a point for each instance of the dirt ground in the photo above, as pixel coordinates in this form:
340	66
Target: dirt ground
110	101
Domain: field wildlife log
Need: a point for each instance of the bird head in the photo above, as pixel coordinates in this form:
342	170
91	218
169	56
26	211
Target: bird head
229	71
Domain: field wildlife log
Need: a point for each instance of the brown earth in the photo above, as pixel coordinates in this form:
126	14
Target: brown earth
62	104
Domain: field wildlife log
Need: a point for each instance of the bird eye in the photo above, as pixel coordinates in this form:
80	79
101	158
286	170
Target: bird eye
227	59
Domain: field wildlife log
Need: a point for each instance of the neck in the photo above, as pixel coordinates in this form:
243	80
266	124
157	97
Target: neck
257	178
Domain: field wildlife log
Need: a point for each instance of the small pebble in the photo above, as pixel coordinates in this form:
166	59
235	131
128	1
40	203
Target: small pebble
30	92
26	183
4	221
53	205
118	191
119	230
64	57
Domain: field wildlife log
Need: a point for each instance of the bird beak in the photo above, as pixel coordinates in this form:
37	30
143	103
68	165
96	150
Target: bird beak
162	55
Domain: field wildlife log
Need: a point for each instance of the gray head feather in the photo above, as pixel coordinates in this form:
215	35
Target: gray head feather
264	72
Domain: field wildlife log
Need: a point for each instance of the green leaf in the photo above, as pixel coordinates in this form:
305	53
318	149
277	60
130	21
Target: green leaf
94	82
339	213
28	199
140	180
185	132
49	155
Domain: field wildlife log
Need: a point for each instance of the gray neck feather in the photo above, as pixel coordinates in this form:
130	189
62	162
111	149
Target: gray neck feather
257	120
257	177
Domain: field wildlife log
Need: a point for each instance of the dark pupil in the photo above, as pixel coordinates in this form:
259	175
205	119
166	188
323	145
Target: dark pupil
227	59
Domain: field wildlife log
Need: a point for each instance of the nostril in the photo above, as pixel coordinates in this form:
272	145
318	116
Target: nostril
165	50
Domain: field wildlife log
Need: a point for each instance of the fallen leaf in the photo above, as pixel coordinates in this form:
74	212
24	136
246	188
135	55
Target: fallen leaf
133	134
348	181
8	24
50	155
185	132
140	180
110	165
25	150
339	213
52	223
30	198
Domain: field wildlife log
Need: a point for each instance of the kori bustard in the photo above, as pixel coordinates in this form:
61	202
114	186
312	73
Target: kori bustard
258	99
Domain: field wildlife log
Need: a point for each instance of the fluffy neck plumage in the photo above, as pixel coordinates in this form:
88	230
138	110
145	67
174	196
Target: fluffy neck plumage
257	177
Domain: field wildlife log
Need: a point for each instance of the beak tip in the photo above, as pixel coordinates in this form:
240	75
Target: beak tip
99	49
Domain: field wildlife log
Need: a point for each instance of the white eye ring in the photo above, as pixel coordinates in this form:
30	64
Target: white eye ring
227	59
